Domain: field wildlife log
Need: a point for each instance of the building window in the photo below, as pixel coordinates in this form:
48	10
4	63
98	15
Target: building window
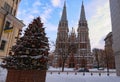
2	46
80	24
14	12
16	2
7	7
7	25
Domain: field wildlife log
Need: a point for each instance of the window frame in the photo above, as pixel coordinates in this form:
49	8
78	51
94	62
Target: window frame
3	44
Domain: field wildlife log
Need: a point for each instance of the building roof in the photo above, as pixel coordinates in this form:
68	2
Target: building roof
64	13
82	15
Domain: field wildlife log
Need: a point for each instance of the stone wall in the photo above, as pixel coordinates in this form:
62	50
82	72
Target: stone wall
115	18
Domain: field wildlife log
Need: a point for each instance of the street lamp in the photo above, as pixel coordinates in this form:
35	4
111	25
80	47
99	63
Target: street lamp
97	59
107	59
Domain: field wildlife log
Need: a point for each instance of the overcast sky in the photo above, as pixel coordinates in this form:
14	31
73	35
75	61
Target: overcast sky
97	14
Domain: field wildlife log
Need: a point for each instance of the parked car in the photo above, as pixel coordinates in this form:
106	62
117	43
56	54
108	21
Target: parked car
101	68
83	70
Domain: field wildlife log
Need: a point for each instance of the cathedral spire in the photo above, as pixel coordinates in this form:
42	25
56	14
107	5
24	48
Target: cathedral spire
82	15
64	13
73	30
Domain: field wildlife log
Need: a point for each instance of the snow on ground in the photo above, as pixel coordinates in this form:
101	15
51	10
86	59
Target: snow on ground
60	69
3	73
71	76
73	69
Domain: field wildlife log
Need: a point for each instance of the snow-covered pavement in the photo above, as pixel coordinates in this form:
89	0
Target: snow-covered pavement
79	77
72	77
3	73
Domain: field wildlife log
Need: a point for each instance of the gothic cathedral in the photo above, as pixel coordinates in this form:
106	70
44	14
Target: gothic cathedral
73	49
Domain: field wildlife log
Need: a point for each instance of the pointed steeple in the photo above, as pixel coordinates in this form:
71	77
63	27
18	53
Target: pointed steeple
64	13
73	31
82	15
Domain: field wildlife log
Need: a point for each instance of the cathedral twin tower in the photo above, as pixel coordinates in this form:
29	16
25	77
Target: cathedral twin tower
74	50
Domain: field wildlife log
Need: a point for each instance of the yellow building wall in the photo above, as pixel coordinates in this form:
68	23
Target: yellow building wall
1	21
2	3
9	37
13	4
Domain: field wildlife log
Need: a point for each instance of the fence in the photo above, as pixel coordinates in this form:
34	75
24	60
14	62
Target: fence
91	73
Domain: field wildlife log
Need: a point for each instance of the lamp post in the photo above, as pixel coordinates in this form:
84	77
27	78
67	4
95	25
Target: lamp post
63	63
97	59
107	59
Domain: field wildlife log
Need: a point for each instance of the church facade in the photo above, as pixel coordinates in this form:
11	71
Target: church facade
73	49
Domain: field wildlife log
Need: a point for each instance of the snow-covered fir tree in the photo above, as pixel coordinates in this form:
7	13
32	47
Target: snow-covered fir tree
31	50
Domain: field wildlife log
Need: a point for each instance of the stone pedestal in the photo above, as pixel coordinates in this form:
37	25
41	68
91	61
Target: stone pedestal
26	75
